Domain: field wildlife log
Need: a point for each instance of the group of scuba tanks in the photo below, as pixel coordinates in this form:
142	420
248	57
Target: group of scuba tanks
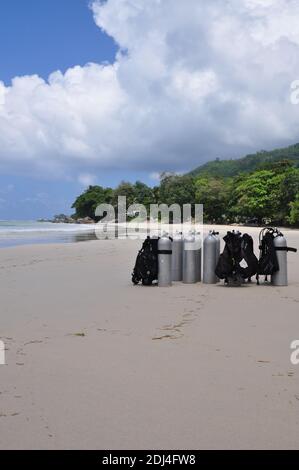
163	260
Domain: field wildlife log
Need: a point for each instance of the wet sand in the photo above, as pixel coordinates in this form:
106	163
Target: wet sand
94	362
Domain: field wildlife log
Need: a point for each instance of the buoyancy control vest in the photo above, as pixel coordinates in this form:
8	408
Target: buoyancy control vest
238	261
146	266
268	263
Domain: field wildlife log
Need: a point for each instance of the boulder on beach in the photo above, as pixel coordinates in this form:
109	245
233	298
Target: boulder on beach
85	220
63	219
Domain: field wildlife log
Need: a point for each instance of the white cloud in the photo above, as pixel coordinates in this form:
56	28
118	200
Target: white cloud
192	81
86	179
155	176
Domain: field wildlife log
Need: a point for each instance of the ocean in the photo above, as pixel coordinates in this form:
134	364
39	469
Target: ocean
13	233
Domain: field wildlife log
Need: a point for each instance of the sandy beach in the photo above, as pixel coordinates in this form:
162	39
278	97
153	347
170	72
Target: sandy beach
94	362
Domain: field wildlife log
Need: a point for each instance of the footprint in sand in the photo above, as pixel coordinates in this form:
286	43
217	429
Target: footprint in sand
290	298
169	328
33	342
190	316
175	328
5	415
20	352
167	337
112	332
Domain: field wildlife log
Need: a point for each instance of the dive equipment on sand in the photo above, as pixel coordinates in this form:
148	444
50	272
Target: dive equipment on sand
146	266
273	256
198	251
238	261
190	275
164	261
209	259
177	257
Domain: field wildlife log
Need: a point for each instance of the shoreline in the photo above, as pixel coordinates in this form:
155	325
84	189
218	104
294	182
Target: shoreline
88	233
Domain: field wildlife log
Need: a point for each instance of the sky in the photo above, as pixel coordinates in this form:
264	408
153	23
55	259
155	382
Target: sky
95	92
40	36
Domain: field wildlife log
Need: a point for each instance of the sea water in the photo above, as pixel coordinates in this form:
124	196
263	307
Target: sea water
17	232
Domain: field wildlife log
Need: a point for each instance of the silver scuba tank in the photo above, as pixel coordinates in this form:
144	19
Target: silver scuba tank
164	261
198	256
218	248
280	278
189	260
209	259
218	245
177	257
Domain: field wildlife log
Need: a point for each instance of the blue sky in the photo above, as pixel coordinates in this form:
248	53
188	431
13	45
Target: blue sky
100	91
39	37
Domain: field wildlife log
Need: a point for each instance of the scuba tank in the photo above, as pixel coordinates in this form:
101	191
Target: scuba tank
218	248
280	277
177	257
198	256
209	259
164	261
218	245
273	256
190	275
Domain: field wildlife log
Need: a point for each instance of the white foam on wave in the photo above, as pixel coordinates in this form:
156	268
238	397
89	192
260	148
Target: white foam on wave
7	230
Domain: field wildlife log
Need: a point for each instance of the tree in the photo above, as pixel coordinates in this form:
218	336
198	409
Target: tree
86	204
143	194
294	213
270	192
175	189
256	196
124	189
213	193
288	191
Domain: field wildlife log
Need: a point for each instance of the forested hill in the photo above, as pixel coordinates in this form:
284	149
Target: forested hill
261	187
248	164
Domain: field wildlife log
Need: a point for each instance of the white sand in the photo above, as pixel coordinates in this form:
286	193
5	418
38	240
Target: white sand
187	367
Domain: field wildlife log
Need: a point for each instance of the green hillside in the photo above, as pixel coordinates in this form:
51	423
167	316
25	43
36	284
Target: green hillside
248	164
263	188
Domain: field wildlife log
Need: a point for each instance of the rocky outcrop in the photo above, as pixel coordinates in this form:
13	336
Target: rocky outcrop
66	219
85	220
63	219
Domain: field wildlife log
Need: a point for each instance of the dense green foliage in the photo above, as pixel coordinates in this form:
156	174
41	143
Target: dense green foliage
175	189
138	193
214	194
269	193
294	213
248	164
87	202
